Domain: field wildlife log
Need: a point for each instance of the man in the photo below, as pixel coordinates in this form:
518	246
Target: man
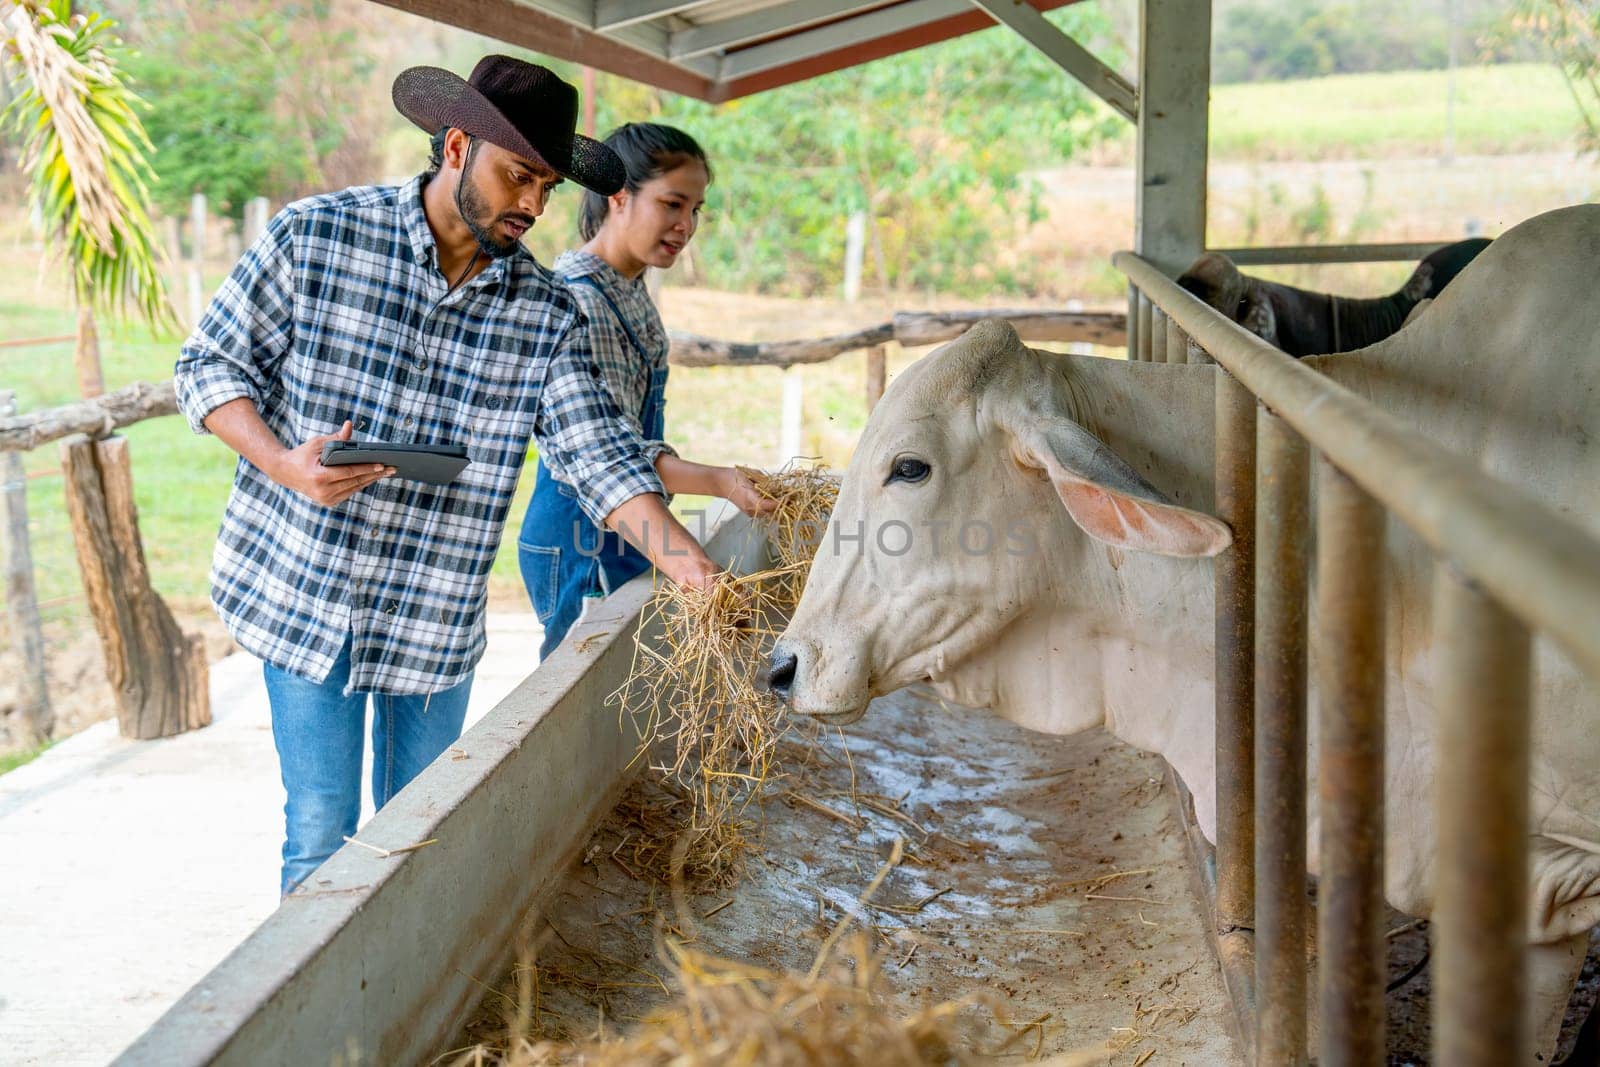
407	314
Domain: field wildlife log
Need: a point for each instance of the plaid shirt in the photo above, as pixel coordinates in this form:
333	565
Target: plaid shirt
629	374
339	312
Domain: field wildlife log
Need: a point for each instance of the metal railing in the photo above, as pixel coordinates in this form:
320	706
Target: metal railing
1506	565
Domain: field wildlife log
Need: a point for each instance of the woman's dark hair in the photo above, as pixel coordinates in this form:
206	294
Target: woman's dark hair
647	150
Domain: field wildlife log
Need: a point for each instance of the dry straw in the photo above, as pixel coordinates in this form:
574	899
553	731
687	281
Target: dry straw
840	1012
729	1013
696	680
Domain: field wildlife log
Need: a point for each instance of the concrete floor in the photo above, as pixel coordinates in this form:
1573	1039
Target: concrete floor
128	869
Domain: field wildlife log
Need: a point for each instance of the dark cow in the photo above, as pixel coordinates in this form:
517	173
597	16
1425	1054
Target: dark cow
1304	323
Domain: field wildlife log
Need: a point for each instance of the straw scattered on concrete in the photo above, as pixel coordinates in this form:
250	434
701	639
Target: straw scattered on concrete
734	1013
840	1012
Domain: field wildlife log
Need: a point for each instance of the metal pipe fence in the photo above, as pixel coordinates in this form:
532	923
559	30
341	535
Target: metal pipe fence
1507	567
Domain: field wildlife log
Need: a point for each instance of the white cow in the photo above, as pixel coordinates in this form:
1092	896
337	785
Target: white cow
1093	606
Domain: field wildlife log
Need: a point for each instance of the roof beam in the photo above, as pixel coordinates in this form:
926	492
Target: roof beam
838	35
730	33
614	14
1067	54
533	29
971	20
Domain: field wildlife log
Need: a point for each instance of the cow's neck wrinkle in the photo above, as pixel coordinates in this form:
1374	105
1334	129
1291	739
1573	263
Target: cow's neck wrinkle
1146	627
1158	417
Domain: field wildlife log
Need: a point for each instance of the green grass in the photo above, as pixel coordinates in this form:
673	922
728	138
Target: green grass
10	761
1499	109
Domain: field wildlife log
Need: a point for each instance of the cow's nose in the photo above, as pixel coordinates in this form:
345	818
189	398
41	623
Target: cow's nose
780	676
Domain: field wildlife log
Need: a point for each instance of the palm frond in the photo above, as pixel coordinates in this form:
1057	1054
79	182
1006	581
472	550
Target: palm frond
86	154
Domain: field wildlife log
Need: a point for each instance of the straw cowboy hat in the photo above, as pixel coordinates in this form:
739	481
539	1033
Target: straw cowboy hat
520	106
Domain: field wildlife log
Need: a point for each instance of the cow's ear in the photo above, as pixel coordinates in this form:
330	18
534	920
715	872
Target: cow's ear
1106	497
1257	315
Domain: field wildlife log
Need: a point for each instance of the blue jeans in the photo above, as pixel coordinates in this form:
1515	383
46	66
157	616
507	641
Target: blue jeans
317	730
565	557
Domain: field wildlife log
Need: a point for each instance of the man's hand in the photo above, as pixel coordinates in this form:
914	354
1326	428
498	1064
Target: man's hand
734	487
301	469
241	428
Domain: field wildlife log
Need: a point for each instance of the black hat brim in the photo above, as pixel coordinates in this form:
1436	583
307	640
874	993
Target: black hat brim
434	98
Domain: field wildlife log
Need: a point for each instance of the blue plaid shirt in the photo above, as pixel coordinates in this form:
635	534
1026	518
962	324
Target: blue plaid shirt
637	378
339	312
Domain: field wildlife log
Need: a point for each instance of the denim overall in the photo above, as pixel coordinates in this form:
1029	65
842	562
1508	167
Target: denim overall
563	555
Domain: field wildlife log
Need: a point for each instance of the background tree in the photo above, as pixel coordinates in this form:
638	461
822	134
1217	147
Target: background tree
935	145
1271	40
1571	31
256	98
84	152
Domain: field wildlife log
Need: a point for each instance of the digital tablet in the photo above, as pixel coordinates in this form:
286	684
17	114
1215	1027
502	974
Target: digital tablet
435	464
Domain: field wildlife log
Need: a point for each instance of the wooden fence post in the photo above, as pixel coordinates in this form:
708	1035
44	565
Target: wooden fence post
197	257
197	229
158	672
877	375
855	254
793	407
21	597
256	215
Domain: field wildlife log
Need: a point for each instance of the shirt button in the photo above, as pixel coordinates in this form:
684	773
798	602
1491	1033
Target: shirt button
410	422
493	402
422	364
372	532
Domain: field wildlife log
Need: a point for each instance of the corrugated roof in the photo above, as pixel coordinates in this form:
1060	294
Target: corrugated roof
715	49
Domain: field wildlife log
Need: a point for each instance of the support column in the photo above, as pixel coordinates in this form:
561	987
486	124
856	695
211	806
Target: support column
1174	96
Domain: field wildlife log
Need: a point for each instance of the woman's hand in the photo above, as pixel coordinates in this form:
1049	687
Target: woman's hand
734	487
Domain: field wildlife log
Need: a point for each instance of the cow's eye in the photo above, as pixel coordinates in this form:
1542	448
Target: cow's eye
907	469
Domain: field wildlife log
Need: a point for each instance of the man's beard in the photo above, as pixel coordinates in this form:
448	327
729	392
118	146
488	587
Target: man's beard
474	212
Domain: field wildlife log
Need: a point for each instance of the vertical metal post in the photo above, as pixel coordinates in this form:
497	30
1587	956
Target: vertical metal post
1158	334
1145	307
1350	779
1282	528
1174	110
1177	343
1133	322
1235	572
1480	899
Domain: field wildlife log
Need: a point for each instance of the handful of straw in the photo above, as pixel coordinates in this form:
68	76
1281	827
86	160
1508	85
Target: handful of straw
695	692
697	689
805	497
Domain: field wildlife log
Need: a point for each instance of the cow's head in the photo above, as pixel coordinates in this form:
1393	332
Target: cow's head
1214	279
972	500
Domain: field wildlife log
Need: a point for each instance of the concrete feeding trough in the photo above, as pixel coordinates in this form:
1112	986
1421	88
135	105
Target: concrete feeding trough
1048	872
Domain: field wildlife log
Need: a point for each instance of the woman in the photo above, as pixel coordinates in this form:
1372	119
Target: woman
564	556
